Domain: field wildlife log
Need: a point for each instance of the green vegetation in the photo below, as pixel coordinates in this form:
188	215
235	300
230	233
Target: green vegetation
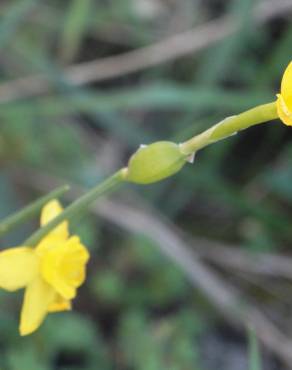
140	309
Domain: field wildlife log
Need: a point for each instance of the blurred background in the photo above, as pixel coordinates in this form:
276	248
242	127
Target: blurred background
179	269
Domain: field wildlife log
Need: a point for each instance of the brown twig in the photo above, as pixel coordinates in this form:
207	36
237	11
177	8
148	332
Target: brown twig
266	264
166	50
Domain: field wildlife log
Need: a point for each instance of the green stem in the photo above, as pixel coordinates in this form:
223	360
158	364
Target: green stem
77	206
26	213
227	127
230	126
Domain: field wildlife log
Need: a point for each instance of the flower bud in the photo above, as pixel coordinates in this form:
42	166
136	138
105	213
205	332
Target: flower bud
155	162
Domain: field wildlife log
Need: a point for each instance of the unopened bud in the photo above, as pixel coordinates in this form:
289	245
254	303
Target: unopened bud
155	162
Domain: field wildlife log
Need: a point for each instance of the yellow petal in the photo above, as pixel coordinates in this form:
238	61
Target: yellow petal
60	304
283	111
51	241
49	212
37	299
18	267
286	86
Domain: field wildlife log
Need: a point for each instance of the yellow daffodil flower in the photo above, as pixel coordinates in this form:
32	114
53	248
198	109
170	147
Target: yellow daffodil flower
50	273
284	101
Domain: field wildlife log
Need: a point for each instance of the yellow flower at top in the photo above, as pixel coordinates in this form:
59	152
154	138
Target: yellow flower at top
50	273
284	101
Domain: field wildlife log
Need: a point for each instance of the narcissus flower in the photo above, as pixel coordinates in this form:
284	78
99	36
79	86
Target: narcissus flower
284	101
50	273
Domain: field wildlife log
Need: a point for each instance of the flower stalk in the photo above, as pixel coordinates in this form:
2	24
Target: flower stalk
230	126
138	173
78	206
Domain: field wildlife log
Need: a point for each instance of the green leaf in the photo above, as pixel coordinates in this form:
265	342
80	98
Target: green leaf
255	362
13	18
75	27
26	213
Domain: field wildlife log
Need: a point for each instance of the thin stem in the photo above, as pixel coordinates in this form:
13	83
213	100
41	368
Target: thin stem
77	206
230	126
29	211
223	129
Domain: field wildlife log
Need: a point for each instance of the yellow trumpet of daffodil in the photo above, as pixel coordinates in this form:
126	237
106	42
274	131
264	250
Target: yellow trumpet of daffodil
284	101
50	273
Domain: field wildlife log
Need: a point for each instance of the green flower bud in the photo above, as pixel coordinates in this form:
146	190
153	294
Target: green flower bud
155	162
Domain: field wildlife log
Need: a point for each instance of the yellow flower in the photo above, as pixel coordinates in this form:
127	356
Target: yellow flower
284	101
50	273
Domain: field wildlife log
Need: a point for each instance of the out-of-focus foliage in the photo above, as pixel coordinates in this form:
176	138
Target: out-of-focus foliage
137	310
